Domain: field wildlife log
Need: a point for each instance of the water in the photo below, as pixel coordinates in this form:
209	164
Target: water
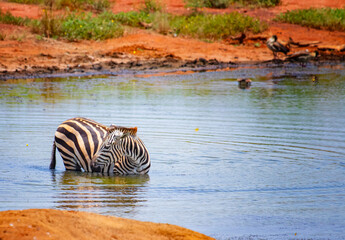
262	163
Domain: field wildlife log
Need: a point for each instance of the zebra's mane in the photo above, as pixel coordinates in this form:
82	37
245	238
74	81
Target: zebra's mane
132	131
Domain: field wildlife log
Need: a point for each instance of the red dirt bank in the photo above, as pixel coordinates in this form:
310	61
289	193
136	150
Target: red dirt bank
56	224
143	49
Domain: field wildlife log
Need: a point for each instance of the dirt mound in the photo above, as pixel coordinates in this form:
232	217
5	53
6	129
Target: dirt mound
56	224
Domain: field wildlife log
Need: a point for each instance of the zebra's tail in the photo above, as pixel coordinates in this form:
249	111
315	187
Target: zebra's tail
53	158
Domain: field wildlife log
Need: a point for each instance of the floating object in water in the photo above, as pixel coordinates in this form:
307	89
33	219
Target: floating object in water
315	79
303	56
276	46
244	83
197	129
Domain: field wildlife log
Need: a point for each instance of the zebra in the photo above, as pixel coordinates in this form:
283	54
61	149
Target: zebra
122	153
79	140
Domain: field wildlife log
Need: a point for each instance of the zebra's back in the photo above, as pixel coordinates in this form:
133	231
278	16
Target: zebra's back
78	139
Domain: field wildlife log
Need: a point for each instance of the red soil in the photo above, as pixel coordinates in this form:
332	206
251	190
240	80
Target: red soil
55	224
29	53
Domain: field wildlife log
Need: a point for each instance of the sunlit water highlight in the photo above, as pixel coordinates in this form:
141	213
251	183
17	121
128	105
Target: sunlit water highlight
262	163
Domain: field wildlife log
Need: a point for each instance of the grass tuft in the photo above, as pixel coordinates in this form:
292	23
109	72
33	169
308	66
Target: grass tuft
216	26
77	27
92	5
8	18
226	3
322	18
204	26
151	6
27	1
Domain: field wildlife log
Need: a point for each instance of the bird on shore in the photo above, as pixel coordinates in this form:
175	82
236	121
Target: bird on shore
276	46
303	56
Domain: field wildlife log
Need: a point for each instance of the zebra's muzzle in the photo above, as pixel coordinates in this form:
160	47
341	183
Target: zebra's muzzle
96	168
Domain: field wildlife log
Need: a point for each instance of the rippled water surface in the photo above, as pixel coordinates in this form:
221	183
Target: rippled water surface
262	163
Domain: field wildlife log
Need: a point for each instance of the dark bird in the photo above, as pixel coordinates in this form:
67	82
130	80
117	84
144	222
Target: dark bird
244	83
303	56
276	46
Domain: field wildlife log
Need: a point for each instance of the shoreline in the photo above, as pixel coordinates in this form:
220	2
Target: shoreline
146	68
25	55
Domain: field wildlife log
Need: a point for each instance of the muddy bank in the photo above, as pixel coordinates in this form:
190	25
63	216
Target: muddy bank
57	224
23	54
162	66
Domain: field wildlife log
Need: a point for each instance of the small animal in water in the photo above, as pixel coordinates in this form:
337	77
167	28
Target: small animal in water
244	83
276	47
303	56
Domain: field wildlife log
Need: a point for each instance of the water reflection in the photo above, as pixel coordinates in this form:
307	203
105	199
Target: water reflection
89	190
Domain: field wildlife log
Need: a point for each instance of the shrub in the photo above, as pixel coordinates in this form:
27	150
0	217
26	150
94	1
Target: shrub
97	5
151	6
77	27
129	18
27	1
216	26
48	26
226	3
8	18
323	18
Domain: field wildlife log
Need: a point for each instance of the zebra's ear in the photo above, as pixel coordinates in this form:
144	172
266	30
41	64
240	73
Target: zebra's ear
134	131
131	131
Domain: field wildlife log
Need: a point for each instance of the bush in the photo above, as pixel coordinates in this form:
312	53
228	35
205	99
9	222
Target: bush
226	3
48	26
27	1
197	25
216	26
323	18
97	5
129	18
8	18
77	27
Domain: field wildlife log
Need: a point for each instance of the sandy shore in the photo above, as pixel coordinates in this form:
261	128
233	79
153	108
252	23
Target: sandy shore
57	224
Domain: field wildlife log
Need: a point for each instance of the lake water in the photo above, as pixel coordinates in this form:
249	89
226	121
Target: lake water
262	163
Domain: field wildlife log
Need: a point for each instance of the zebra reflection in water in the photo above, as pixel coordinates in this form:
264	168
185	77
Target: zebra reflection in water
90	146
118	195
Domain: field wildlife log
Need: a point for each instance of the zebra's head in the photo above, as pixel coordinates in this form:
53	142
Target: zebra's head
122	152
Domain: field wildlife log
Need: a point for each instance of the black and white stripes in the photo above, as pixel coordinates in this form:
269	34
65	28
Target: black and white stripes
90	146
126	151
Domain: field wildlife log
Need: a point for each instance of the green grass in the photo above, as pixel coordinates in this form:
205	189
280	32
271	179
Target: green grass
203	26
92	5
28	1
216	26
226	3
77	27
151	6
132	18
8	18
323	18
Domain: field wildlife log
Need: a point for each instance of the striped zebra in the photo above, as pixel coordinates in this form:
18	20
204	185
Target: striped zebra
80	139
